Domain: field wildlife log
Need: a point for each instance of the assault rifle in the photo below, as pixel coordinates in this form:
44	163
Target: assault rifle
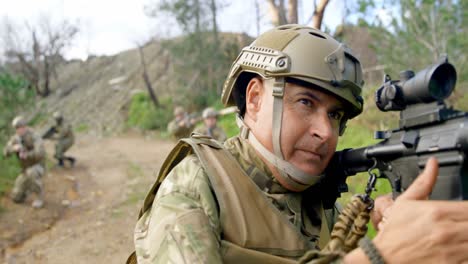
49	132
427	127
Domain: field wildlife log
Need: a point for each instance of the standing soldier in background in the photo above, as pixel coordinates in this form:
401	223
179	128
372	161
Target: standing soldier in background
63	133
31	154
182	125
209	126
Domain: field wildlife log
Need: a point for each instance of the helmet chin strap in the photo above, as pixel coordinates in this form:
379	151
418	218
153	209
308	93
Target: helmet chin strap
293	176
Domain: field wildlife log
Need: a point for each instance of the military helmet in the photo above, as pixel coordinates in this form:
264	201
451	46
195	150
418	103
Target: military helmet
209	112
178	110
298	52
57	115
18	121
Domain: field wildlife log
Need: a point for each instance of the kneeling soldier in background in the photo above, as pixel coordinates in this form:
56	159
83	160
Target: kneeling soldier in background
31	154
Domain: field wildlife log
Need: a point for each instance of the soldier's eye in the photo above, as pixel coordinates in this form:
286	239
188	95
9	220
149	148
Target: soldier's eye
336	115
306	102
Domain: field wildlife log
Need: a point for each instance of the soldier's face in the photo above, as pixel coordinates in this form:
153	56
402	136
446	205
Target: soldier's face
179	116
210	122
309	129
20	130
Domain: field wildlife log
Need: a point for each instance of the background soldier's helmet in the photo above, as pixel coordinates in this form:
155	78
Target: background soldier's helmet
18	121
209	112
302	53
179	110
57	116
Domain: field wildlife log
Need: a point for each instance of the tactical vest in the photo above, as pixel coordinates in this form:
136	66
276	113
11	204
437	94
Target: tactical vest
28	142
253	230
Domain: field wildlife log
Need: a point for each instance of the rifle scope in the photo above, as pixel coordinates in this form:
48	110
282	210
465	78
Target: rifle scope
434	83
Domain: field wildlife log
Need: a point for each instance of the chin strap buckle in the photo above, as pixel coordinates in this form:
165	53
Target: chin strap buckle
244	130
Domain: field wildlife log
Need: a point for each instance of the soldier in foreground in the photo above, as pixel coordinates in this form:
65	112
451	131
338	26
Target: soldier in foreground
31	154
209	126
182	125
62	132
260	198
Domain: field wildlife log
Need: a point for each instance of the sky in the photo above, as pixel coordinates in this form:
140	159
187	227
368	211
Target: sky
110	26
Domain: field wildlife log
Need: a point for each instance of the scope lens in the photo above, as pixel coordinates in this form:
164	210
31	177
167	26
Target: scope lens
442	81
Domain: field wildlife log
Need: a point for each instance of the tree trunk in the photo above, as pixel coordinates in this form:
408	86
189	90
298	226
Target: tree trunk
277	12
46	90
214	10
149	87
30	72
257	16
36	67
318	13
292	12
197	17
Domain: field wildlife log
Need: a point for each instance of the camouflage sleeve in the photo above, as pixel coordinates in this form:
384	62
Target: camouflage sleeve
172	127
222	135
8	149
38	152
183	224
199	130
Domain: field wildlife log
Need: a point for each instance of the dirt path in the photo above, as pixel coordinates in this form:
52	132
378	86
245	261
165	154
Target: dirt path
90	209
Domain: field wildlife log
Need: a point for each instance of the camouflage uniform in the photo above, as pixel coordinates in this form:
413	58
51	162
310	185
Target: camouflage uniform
184	225
62	132
32	165
65	139
209	126
216	132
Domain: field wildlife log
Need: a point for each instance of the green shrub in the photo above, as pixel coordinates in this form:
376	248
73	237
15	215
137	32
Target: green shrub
15	98
38	118
228	124
142	113
81	128
10	169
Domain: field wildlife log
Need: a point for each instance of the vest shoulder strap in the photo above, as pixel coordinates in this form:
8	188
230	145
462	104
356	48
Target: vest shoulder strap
184	148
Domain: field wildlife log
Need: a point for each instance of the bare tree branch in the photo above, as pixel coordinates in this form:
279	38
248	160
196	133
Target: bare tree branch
145	76
319	12
277	12
38	48
257	16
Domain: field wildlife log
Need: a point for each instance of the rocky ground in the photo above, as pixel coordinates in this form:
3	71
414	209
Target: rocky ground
90	209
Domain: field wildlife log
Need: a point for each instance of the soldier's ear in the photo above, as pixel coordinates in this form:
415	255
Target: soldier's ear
254	92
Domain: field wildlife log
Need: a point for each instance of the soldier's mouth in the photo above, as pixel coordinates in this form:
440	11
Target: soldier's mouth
310	155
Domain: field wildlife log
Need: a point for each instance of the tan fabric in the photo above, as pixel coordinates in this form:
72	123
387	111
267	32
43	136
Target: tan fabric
247	218
187	203
235	254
